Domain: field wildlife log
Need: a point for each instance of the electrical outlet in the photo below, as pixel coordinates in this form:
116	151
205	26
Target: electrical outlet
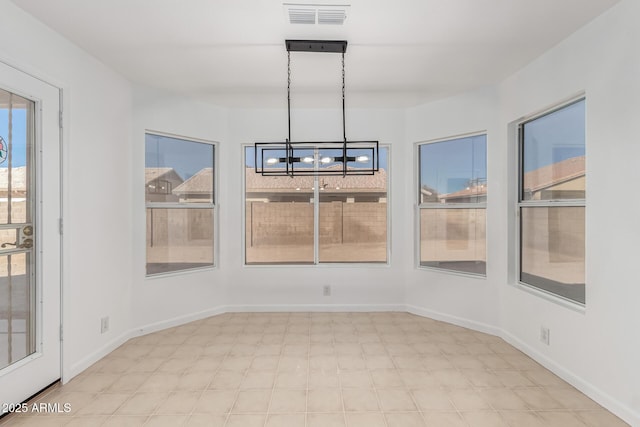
104	325
326	290
544	335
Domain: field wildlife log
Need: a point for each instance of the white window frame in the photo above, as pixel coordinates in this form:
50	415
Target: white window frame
316	218
520	204
420	206
213	206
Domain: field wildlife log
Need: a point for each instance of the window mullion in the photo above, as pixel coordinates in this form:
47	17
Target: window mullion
316	209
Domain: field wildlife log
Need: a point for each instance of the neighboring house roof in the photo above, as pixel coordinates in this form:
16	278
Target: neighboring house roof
535	180
18	179
200	183
151	174
554	174
256	182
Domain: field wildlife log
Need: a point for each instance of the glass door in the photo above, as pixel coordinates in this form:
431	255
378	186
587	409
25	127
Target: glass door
29	235
17	284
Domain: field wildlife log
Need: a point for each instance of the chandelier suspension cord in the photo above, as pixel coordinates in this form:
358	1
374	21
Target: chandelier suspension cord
289	93
344	129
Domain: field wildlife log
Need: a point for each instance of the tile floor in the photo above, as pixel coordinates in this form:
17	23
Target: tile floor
318	370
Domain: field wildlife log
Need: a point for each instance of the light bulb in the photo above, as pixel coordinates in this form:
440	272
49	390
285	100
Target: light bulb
362	159
272	160
307	159
326	160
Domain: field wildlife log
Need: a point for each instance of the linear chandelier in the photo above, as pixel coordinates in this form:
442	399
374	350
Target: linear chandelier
296	158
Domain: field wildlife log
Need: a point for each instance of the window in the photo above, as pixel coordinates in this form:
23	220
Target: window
180	203
452	200
284	225
551	202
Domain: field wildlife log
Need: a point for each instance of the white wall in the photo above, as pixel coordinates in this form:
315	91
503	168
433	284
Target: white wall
97	209
598	348
162	301
353	287
465	300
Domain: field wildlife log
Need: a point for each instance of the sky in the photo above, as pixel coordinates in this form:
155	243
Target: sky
448	166
186	157
19	138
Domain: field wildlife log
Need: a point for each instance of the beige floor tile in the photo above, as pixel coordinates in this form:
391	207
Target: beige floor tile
215	402
226	380
142	403
522	418
357	379
206	420
323	379
129	382
537	398
252	401
600	418
561	419
283	401
484	419
360	400
396	400
406	419
125	421
246	420
258	380
432	400
179	403
468	400
325	420
444	419
88	421
324	400
295	380
503	399
166	420
285	420
307	369
104	404
386	378
570	398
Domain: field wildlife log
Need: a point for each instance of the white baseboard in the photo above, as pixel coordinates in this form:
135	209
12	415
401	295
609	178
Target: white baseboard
316	308
616	407
77	368
179	320
455	320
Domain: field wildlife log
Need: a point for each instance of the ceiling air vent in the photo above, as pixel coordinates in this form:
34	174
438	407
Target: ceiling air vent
302	16
331	16
320	14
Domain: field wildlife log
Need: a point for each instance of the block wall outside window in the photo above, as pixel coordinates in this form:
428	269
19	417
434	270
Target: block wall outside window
283	225
180	203
551	202
452	195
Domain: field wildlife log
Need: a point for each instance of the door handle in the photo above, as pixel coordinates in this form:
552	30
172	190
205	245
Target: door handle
26	244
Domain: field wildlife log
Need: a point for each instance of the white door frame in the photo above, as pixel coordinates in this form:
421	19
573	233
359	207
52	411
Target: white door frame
48	119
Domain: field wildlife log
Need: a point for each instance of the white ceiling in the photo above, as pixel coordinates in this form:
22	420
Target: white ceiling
400	52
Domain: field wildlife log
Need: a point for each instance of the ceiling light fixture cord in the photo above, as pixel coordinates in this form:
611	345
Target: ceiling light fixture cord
344	126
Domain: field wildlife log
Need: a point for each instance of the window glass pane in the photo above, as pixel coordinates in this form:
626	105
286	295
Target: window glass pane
453	239
178	170
179	239
279	217
16	123
552	256
454	171
553	155
353	215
